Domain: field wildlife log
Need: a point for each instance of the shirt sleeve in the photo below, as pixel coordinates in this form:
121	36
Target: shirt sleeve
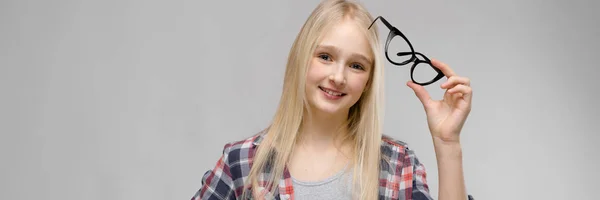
420	187
217	183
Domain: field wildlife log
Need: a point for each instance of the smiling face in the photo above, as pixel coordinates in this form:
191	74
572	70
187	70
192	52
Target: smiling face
339	69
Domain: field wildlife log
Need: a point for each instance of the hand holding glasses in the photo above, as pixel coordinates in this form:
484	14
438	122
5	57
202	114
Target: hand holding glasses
410	56
456	105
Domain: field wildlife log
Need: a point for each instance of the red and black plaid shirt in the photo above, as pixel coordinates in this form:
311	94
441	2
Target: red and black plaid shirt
403	177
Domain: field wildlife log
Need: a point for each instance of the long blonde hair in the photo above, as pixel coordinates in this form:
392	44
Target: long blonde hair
364	118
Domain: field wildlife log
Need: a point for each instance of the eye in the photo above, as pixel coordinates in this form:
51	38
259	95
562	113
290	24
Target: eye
357	66
325	57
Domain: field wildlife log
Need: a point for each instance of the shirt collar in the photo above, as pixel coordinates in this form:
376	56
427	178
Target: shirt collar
256	141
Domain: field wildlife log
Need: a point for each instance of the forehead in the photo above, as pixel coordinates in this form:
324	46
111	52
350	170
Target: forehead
348	38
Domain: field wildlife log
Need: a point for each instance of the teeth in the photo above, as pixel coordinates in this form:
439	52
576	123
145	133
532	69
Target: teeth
333	93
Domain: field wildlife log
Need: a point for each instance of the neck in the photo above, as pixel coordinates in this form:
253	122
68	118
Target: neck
321	130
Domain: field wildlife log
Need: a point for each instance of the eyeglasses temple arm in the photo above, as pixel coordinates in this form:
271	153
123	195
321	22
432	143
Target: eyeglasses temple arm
385	22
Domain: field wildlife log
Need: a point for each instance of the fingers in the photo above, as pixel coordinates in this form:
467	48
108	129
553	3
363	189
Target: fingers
462	90
454	80
420	91
443	67
457	86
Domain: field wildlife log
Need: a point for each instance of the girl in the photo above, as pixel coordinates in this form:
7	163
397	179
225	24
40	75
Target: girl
325	140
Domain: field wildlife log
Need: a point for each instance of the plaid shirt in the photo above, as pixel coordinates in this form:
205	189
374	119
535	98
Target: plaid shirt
403	177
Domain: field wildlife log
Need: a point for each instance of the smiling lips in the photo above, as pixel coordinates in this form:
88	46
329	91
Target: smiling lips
332	94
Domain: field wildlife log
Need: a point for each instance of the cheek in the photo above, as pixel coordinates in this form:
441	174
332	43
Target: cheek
315	72
360	83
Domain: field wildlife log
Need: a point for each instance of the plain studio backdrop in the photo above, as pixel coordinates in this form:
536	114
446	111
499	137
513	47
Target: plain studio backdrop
136	99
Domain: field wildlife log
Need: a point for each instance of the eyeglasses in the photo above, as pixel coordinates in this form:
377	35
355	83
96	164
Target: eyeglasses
408	57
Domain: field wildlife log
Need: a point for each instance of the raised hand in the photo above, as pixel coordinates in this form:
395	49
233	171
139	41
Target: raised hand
447	116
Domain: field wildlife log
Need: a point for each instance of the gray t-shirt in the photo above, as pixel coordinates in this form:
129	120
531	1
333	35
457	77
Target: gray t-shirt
336	187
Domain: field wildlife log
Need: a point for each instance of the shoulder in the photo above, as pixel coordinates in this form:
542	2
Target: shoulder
397	153
238	155
390	145
398	160
240	151
226	178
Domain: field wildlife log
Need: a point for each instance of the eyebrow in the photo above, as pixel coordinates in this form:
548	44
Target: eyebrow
333	48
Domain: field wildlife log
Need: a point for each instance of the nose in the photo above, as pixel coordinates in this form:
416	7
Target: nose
338	76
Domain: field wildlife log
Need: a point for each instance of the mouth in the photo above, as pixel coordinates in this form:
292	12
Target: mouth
332	92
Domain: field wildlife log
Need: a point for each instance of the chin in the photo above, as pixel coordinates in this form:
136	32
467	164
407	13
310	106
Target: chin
329	108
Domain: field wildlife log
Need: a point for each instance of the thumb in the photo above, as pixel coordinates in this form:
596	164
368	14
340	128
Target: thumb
421	93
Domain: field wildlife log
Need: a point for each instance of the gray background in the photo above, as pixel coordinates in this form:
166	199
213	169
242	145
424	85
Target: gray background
135	99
